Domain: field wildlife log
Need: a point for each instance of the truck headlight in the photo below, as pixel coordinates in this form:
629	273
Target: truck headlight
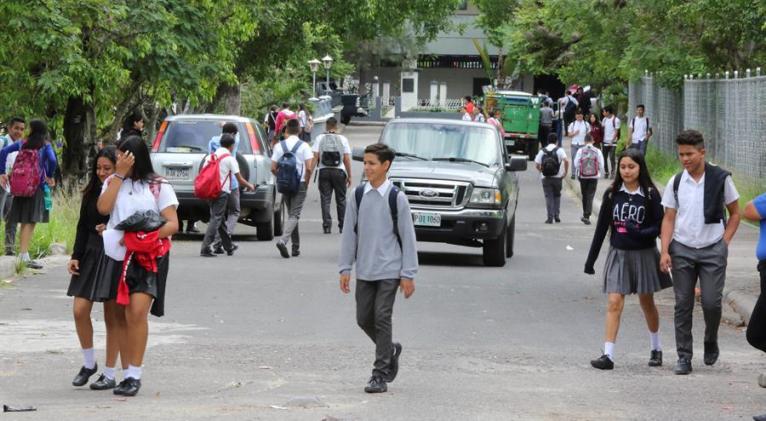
480	196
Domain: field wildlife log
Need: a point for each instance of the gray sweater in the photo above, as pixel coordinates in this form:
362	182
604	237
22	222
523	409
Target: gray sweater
375	248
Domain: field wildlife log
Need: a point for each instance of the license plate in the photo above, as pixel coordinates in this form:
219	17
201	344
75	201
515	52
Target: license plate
427	219
510	142
177	173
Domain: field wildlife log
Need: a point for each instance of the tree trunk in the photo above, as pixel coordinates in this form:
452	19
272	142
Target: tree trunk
80	136
228	99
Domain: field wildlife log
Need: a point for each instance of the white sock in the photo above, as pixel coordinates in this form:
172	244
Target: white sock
109	373
609	350
134	372
24	257
655	338
89	355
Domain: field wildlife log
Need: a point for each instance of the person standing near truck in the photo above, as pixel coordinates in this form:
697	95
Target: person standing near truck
546	123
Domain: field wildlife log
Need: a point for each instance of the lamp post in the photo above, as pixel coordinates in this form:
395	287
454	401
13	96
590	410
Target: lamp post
327	61
314	65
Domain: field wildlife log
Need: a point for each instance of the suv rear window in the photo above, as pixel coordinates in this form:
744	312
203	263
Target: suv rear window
193	136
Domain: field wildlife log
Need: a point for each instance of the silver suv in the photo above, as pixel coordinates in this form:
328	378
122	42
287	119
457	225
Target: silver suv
180	148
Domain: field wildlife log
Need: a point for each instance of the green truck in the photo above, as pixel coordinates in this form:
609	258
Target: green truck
520	118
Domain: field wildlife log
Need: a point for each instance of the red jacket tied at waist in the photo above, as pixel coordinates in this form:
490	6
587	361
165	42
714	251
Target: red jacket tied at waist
145	248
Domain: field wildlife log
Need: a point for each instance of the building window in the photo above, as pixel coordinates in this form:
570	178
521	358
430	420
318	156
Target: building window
408	85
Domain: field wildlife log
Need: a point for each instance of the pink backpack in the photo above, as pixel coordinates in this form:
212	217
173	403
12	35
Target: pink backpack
25	177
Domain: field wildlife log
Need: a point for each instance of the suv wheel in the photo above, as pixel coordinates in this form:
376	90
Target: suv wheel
510	236
265	231
494	250
279	219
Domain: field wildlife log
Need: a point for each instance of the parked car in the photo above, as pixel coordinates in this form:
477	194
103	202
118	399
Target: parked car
180	148
459	180
521	120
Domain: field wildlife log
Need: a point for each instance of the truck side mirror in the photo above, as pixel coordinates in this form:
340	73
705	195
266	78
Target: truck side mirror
517	163
357	154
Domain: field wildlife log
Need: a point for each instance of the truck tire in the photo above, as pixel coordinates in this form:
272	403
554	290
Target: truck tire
511	234
494	250
279	218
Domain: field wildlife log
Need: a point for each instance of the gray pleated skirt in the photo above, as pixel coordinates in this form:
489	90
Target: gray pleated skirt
28	210
634	272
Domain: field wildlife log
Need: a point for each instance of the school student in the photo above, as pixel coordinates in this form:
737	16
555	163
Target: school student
233	209
632	212
756	327
135	187
29	207
16	127
228	170
333	153
611	125
553	165
382	246
577	130
589	166
640	130
695	243
89	283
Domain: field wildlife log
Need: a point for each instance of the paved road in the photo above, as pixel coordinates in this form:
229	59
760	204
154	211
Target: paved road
255	336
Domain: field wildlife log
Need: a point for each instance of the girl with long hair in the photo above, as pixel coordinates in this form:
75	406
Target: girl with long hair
632	211
133	125
596	130
30	210
134	187
90	283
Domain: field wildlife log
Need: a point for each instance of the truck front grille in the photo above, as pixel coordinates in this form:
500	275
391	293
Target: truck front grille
424	193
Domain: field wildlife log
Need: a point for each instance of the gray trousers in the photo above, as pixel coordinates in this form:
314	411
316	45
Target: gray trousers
552	190
609	158
10	229
294	203
217	224
574	149
374	307
709	266
233	211
588	189
332	180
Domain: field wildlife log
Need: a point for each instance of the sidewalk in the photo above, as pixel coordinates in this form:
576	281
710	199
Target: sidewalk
742	280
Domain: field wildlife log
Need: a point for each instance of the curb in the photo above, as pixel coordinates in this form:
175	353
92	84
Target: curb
740	302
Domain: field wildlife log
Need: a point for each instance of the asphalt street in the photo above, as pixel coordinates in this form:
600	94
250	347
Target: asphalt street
258	337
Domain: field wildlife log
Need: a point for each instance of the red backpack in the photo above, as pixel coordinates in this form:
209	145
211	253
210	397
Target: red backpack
207	185
25	177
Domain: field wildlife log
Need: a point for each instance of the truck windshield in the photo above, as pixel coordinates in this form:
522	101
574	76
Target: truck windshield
437	140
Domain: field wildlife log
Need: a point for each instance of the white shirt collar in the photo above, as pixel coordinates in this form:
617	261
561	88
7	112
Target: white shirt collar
638	192
382	189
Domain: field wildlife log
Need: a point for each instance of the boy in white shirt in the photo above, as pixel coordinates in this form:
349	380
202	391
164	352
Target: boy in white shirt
553	165
577	130
640	131
588	165
611	125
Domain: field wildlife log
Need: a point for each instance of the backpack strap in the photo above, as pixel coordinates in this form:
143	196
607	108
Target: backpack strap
393	194
283	144
295	148
676	184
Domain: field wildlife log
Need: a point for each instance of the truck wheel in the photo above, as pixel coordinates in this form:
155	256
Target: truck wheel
279	219
511	234
494	250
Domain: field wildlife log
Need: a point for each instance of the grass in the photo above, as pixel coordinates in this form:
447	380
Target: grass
60	228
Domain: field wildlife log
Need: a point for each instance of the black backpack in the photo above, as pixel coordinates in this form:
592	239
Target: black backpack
570	107
550	162
393	193
330	148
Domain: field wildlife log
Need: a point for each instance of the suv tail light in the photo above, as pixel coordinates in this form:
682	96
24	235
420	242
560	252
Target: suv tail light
158	138
253	139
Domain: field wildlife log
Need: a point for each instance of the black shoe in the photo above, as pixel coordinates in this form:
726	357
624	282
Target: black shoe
376	385
230	252
296	252
711	353
683	366
283	250
556	218
327	230
603	363
103	383
655	359
84	375
128	387
585	220
759	417
218	249
394	362
191	229
549	221
207	253
340	230
9	253
33	264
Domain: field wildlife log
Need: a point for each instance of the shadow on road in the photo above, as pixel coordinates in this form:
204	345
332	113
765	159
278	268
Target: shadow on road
449	259
198	237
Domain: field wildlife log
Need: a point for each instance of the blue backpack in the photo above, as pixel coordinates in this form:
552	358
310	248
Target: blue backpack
288	177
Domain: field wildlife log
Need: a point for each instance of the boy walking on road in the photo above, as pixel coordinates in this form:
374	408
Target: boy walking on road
577	131
333	154
695	243
304	161
611	125
640	131
588	165
552	163
233	209
382	245
228	169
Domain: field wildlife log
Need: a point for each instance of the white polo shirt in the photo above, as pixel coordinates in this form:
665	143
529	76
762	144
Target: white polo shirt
690	227
640	126
582	127
610	125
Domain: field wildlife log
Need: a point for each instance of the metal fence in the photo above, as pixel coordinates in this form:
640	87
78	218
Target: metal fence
730	112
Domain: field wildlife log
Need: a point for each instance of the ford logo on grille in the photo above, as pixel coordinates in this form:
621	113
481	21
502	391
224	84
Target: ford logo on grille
428	194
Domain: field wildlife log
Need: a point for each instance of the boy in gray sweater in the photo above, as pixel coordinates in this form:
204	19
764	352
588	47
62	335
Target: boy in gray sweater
386	259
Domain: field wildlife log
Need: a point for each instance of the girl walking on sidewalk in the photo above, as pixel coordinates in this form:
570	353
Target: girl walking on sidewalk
631	209
91	282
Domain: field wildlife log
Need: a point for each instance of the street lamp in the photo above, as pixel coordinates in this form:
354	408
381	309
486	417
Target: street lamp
327	60
314	65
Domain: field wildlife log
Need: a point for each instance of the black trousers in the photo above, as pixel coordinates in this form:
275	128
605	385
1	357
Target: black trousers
545	130
588	188
374	307
332	180
609	158
756	327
